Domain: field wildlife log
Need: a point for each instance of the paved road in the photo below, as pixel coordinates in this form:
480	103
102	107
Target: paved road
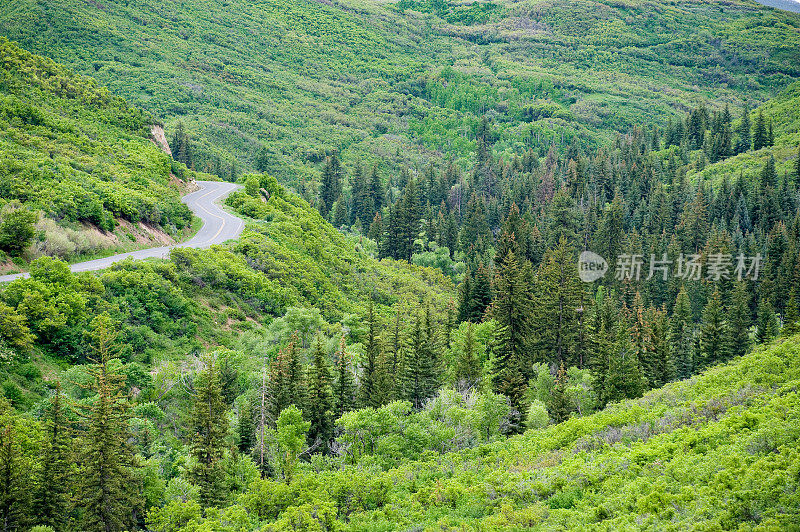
218	226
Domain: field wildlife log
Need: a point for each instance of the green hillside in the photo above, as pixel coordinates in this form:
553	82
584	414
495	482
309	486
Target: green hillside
80	156
716	452
277	85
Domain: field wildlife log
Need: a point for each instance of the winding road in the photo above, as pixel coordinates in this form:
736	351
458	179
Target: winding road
218	226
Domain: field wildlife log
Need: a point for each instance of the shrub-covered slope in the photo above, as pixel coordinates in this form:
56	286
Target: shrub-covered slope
278	84
79	155
716	452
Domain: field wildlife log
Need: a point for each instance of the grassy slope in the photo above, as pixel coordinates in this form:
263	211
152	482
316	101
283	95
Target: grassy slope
784	111
718	451
305	77
71	149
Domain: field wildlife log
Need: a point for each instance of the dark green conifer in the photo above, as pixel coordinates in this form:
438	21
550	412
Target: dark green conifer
209	426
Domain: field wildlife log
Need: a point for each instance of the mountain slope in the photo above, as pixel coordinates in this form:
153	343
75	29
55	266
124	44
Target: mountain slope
291	81
716	452
80	155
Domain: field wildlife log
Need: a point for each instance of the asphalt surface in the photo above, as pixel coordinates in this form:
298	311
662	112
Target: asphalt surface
218	227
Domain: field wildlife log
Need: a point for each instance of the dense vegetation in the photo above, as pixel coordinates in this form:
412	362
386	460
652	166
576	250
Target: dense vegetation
73	154
406	342
278	85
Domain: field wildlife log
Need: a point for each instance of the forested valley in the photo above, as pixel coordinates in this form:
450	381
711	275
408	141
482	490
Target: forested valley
538	277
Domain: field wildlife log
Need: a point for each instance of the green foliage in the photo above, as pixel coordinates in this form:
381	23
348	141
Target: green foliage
76	153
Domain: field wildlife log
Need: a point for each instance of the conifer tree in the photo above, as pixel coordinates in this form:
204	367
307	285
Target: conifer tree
558	296
51	499
409	219
371	355
420	365
12	472
744	139
344	388
714	334
766	322
559	406
739	320
209	426
760	133
246	426
512	310
681	335
465	297
623	379
331	184
481	294
109	489
319	400
791	320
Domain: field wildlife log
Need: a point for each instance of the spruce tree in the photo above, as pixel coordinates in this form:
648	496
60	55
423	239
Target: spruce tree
319	400
791	320
481	294
331	184
558	296
744	141
512	311
344	388
420	366
681	335
760	133
559	406
51	498
246	426
623	379
714	334
13	472
371	355
739	320
109	488
766	322
209	426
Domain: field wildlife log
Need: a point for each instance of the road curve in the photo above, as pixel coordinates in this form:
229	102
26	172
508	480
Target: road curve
218	226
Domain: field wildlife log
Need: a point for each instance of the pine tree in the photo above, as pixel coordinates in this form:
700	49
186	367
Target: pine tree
209	426
372	354
766	322
465	297
512	310
739	320
109	489
713	334
558	294
744	140
559	406
409	221
331	184
246	427
420	365
791	320
760	133
344	388
263	423
681	335
51	499
623	379
481	294
12	472
319	400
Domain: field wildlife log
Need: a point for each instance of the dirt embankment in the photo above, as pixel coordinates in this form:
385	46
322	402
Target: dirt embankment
157	133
